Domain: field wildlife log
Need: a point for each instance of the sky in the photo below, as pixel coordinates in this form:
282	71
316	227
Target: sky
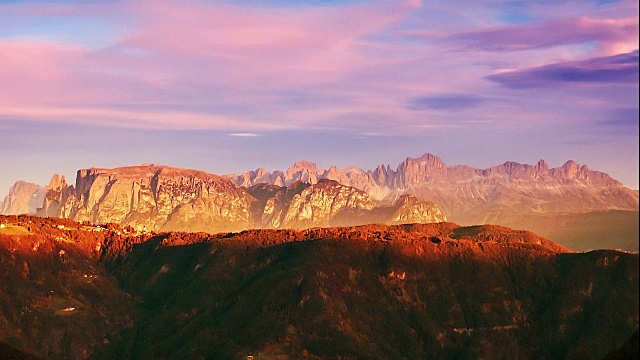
230	86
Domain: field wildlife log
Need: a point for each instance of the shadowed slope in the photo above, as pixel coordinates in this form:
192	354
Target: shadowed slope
409	291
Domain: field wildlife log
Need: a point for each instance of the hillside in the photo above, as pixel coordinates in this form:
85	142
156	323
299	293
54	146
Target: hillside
414	291
57	300
375	291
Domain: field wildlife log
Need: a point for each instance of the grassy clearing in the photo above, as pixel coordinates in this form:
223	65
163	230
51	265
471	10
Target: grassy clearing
9	229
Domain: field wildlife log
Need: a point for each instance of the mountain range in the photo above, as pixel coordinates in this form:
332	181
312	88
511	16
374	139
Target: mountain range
440	290
468	195
554	202
162	198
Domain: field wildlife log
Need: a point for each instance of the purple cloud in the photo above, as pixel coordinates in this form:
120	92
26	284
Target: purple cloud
548	33
446	102
622	118
616	69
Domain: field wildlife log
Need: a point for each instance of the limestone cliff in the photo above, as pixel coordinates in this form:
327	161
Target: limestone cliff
162	198
23	198
328	203
56	193
156	197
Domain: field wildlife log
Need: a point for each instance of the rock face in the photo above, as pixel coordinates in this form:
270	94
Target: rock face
409	210
23	198
55	195
327	203
162	198
470	196
152	197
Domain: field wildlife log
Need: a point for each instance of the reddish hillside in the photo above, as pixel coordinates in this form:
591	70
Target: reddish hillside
375	291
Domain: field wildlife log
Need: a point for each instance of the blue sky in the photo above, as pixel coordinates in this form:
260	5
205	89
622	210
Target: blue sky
228	86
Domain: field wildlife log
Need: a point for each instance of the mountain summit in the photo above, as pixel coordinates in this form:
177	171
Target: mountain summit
23	198
469	195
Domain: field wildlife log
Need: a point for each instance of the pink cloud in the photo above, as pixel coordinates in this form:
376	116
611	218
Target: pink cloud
296	46
200	53
203	66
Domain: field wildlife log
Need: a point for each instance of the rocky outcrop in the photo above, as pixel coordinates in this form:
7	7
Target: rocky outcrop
23	198
304	171
152	197
409	210
470	196
56	193
303	205
328	203
161	198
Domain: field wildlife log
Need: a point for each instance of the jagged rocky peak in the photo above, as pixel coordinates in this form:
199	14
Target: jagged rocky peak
57	182
23	198
303	165
332	173
413	171
542	167
571	168
427	163
572	171
302	170
517	170
430	160
55	196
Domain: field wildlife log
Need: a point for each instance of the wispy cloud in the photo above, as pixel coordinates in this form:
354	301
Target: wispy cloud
244	134
446	102
616	69
549	33
622	118
232	57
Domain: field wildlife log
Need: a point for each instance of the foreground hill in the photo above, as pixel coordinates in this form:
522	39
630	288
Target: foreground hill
156	197
403	291
57	301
